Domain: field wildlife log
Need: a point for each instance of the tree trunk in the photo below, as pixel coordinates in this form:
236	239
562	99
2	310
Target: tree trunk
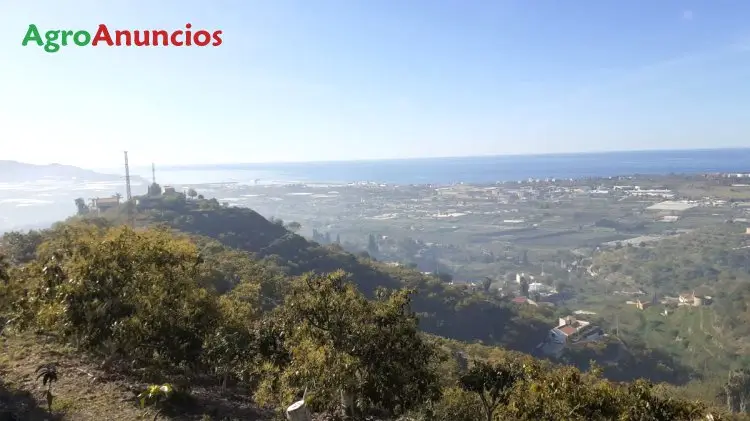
347	402
298	412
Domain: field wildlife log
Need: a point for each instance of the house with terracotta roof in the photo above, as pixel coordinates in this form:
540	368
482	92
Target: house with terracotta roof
567	327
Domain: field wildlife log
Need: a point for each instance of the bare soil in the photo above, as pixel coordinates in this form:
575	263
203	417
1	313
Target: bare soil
86	392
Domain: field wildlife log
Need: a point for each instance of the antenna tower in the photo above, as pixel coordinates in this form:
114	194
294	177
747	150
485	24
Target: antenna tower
153	173
128	192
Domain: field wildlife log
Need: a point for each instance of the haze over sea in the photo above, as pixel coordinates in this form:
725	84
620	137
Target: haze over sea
41	202
488	169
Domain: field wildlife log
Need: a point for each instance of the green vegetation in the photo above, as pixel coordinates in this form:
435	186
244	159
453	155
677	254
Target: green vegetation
220	295
48	374
712	262
443	309
708	258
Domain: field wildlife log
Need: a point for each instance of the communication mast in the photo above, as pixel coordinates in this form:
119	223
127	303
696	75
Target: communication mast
128	192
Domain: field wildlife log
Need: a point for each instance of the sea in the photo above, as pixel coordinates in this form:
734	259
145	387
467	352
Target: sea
37	203
485	169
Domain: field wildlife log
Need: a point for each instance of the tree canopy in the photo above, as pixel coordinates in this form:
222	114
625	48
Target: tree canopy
275	326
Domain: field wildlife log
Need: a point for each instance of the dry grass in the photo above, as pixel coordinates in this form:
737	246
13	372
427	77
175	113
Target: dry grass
84	392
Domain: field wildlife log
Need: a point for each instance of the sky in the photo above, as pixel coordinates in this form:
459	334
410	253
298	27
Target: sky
317	80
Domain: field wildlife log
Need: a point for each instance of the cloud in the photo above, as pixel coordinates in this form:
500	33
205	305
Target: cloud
687	15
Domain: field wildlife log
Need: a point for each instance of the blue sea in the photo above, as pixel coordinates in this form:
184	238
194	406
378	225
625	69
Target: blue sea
485	169
44	201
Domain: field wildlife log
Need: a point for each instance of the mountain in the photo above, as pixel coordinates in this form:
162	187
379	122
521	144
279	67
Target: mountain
14	171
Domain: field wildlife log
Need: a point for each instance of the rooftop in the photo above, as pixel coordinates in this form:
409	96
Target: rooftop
672	205
568	330
107	201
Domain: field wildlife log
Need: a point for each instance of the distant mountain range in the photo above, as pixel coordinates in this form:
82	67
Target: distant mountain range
14	171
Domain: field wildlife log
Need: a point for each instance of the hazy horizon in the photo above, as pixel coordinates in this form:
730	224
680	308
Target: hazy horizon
197	165
365	80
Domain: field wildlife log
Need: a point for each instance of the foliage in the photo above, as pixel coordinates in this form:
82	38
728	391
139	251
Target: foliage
154	395
443	309
737	390
682	263
710	340
4	269
154	189
277	317
20	247
134	290
342	341
492	383
457	404
48	374
293	226
81	207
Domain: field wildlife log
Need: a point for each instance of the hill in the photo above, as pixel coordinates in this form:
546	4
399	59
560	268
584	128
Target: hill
144	308
451	311
14	171
714	264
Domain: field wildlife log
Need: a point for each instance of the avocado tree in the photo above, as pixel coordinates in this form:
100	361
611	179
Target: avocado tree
346	348
492	382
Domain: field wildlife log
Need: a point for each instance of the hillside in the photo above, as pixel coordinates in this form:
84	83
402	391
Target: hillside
701	259
444	310
143	308
713	262
14	171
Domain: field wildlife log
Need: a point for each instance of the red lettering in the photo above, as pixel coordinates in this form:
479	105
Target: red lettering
141	42
102	34
164	36
188	35
217	38
119	35
174	39
202	34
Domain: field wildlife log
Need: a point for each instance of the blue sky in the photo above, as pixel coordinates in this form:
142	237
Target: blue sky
366	79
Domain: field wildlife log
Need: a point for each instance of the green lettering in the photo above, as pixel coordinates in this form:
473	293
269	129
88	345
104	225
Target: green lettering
32	34
65	35
82	38
51	46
